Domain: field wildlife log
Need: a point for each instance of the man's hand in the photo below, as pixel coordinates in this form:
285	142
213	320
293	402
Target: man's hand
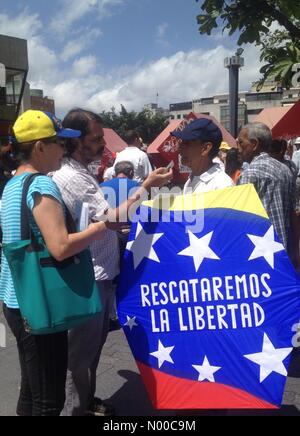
117	218
158	178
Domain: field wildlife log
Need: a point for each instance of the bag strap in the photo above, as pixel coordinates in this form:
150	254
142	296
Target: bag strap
70	223
26	231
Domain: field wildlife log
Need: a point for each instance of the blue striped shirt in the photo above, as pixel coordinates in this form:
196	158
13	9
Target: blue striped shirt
11	223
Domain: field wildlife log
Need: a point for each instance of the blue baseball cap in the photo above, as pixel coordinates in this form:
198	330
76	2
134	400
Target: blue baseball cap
202	129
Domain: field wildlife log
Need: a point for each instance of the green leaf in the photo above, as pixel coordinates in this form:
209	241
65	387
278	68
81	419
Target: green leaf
201	18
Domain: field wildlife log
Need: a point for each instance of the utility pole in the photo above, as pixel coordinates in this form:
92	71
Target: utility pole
234	63
2	76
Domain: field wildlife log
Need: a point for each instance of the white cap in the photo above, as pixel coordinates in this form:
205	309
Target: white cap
297	140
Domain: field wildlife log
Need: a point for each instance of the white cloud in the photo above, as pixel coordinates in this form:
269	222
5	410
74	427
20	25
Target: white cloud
77	91
84	66
72	11
71	49
42	62
276	26
24	25
161	30
250	72
77	45
160	36
181	77
41	58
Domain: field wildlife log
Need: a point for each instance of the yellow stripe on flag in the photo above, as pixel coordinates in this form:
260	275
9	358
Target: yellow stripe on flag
242	198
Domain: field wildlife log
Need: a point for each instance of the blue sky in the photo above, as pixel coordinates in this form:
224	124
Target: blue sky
103	53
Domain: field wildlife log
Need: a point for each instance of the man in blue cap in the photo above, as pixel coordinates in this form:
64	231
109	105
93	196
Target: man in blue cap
200	143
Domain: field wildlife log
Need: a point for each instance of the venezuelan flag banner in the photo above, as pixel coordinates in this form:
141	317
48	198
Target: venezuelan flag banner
208	300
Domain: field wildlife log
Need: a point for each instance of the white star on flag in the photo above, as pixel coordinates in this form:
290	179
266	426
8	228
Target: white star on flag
163	354
265	246
206	371
131	322
270	359
142	246
199	249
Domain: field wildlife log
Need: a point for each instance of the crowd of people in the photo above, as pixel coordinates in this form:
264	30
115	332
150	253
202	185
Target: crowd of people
58	371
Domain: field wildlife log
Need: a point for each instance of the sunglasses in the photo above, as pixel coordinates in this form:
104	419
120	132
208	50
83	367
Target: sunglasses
56	140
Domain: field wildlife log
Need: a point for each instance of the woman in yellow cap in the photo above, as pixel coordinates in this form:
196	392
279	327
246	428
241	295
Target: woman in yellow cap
39	148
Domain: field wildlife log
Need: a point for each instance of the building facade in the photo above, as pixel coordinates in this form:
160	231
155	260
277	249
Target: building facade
41	103
14	60
156	110
249	106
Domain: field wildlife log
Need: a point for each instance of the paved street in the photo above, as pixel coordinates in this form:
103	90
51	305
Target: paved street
119	381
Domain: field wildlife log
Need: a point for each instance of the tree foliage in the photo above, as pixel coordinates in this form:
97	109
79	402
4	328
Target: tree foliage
147	125
250	18
280	54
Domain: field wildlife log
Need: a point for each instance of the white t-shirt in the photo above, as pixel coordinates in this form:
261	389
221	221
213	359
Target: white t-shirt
211	180
140	161
109	173
296	160
218	161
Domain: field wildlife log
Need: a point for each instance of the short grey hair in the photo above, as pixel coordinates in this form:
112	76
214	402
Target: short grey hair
124	167
260	132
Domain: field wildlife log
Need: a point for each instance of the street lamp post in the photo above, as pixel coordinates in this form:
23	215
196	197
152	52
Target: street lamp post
234	63
2	76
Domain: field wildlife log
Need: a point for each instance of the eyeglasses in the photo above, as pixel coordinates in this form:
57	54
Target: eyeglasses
56	140
61	142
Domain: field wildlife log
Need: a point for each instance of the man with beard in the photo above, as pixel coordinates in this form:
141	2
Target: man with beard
79	188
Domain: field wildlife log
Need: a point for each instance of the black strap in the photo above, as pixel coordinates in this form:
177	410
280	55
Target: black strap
70	223
26	231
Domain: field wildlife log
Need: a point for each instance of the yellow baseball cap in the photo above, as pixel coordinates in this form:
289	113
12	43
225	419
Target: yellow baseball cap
225	146
33	125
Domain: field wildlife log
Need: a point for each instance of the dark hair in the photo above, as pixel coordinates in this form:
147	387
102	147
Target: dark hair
215	149
8	161
278	145
21	151
233	162
124	167
79	119
130	136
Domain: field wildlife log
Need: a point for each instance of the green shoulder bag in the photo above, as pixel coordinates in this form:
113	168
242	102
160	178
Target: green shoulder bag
53	296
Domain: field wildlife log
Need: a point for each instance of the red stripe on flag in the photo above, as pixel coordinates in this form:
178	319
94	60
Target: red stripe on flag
169	392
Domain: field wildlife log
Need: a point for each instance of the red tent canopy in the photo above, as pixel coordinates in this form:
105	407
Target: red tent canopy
164	148
288	126
114	144
271	116
283	121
